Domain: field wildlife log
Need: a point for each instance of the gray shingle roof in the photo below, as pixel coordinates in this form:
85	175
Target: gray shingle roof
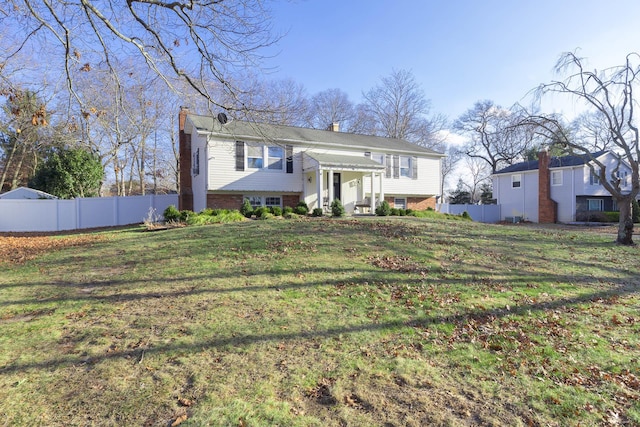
342	161
303	136
554	162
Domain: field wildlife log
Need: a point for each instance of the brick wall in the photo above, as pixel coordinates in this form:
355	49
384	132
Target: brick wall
547	207
415	203
224	201
290	200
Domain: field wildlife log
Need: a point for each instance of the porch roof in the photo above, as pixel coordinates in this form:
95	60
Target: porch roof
342	162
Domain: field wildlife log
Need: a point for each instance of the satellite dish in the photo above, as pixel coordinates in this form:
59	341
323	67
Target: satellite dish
222	118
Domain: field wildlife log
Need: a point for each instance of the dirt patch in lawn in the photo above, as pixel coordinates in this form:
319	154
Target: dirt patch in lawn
18	249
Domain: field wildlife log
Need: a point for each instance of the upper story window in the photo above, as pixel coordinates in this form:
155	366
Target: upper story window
405	166
556	178
594	178
378	157
275	159
259	155
516	180
254	156
196	163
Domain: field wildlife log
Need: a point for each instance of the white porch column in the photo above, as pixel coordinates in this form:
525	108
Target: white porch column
319	187
330	188
381	188
372	206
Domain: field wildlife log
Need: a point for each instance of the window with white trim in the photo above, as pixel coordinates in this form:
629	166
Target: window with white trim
516	180
275	158
556	178
378	157
405	166
268	201
400	203
594	178
256	201
273	201
595	205
195	167
255	154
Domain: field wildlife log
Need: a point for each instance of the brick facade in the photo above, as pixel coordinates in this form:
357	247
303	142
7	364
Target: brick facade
415	203
547	207
290	200
224	201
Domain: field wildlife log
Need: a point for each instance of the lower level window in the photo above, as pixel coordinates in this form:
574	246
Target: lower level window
272	201
595	204
400	203
257	201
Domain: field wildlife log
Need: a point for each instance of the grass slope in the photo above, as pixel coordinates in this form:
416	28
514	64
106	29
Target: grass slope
377	322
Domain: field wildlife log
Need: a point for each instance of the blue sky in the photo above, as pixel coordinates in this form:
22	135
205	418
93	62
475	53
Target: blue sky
460	51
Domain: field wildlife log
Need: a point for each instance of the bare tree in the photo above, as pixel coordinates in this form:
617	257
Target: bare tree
477	174
610	95
448	164
591	130
493	136
198	41
331	106
280	102
402	111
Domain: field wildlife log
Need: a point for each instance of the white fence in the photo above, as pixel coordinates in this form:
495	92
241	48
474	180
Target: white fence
58	215
480	213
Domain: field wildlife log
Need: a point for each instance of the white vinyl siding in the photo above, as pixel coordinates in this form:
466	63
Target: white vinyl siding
224	175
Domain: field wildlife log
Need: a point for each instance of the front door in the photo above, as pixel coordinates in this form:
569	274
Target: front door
336	186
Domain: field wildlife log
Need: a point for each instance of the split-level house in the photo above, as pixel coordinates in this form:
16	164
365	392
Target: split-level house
223	162
556	189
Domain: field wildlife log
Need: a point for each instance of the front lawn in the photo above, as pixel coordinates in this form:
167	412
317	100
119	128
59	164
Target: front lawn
321	322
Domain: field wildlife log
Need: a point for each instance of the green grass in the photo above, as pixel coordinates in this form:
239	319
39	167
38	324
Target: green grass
324	322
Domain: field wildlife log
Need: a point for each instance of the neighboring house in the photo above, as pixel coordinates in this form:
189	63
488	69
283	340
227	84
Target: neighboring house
556	189
22	193
224	162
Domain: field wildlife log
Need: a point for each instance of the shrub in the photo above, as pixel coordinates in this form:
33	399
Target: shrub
408	211
317	212
402	212
259	211
208	212
265	214
171	214
287	210
246	209
394	212
635	211
185	214
337	210
383	209
301	208
612	216
466	215
276	210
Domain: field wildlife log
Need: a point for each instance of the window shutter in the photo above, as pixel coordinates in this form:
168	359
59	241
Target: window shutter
288	152
414	167
389	165
239	155
396	166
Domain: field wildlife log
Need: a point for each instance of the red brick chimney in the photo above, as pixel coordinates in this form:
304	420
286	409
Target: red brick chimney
334	127
185	200
547	208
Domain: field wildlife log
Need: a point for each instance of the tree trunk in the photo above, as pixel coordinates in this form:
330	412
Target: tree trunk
625	225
